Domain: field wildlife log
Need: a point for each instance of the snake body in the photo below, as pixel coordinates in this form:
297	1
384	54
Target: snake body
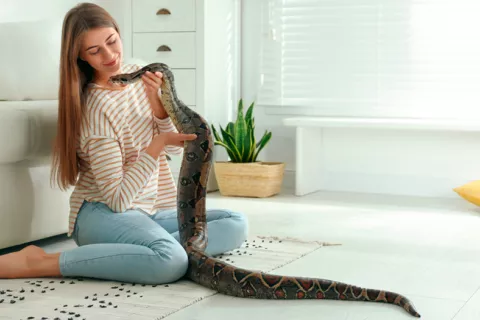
191	196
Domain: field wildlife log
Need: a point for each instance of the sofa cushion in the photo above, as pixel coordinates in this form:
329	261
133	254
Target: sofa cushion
14	135
27	129
30	59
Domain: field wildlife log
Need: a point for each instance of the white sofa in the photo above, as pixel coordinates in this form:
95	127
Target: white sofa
30	208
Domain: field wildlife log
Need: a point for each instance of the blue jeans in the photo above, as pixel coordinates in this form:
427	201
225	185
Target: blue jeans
139	248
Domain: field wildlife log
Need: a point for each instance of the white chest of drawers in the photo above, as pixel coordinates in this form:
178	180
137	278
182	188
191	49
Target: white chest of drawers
165	31
199	40
164	15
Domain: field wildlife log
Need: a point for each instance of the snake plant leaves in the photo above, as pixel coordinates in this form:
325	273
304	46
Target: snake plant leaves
238	138
230	128
249	139
251	152
215	133
249	115
266	137
219	141
230	141
240	129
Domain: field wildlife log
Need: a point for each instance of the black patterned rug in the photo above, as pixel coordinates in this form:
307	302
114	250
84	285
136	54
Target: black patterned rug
76	298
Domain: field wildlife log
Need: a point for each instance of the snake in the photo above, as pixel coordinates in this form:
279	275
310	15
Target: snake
209	271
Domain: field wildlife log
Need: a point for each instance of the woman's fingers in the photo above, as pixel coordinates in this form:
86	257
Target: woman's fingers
182	137
148	80
191	136
178	139
155	78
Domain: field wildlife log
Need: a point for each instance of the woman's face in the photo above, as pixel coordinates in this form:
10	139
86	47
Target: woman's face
102	49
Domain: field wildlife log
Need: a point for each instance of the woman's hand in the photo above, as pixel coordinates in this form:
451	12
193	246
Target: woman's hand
168	138
175	138
153	82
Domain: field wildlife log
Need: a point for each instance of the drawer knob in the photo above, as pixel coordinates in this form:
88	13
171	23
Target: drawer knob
163	11
164	48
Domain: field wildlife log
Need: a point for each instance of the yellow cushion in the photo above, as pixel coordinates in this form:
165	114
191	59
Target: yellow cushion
470	192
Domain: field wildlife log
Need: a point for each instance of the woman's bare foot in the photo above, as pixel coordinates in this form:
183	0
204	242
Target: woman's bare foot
30	262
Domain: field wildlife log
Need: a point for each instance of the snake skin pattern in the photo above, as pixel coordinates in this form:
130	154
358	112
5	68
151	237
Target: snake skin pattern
208	271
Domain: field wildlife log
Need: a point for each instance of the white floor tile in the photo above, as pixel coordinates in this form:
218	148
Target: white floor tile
426	249
222	307
471	310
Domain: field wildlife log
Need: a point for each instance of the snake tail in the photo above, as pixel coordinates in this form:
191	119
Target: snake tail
191	199
233	281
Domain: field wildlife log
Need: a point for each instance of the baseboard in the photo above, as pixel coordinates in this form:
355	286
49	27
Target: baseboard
388	184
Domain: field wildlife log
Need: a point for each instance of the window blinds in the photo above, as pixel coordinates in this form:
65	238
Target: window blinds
418	58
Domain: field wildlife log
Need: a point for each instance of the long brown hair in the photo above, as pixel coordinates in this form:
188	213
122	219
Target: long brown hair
75	74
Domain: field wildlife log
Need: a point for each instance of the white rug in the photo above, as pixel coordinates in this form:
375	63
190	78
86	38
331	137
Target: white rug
72	298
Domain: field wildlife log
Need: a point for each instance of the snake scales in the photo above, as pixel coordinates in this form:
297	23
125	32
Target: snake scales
191	197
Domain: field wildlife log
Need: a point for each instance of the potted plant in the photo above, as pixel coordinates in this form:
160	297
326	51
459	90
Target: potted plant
244	175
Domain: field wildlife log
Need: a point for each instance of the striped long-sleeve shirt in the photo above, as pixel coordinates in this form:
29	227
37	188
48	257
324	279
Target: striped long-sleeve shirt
117	127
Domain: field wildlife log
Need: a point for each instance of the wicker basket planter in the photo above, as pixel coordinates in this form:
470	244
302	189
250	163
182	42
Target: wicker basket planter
254	179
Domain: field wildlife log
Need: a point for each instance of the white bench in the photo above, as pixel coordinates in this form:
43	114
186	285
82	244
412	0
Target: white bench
309	135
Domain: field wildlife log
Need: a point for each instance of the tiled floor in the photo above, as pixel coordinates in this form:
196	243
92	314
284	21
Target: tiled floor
426	249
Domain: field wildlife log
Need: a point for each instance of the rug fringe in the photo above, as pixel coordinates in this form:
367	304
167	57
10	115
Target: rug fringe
324	244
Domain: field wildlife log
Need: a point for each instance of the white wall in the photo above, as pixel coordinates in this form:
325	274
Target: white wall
218	56
31	10
362	160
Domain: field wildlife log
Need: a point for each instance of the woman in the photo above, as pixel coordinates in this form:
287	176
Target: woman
111	146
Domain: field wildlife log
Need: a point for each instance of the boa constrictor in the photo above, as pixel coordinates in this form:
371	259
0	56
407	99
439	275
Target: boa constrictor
191	197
